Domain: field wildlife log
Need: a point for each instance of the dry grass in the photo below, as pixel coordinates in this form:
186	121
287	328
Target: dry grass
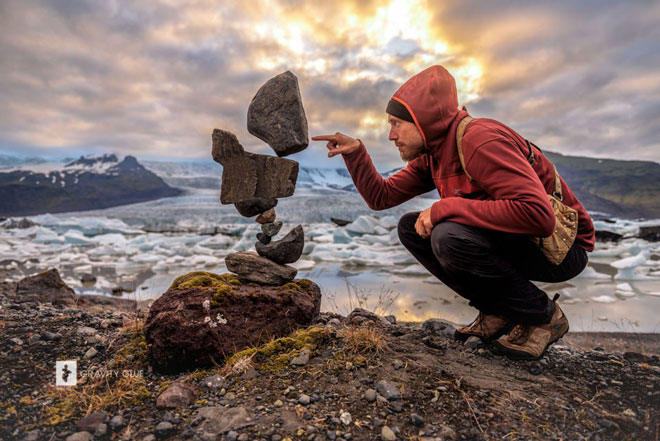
95	393
363	340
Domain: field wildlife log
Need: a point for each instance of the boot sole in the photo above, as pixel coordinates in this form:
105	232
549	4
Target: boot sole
519	355
462	337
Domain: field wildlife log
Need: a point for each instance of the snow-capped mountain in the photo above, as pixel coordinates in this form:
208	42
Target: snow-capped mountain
90	182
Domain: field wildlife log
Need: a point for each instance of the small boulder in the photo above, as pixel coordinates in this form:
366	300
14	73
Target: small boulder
205	317
44	287
286	250
388	390
178	394
90	422
276	115
214	421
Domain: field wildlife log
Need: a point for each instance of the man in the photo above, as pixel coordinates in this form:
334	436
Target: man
476	238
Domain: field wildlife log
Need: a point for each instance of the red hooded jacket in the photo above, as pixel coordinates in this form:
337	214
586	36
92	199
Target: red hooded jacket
508	194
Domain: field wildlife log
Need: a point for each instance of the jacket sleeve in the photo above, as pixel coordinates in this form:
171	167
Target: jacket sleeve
379	193
520	203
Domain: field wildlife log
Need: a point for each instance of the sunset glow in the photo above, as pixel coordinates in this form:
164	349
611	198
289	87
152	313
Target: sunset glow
159	76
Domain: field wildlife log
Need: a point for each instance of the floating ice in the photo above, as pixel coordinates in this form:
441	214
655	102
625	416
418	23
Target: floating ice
341	236
303	264
603	299
363	225
628	265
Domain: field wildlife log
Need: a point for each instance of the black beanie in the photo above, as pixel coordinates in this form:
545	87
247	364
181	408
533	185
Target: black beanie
397	109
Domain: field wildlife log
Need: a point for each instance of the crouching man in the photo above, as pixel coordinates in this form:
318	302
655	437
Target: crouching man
476	238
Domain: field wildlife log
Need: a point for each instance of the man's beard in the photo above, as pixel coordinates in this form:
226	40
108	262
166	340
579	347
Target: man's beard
409	155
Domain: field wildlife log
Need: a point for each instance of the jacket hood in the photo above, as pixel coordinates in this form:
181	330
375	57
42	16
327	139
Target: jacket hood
431	98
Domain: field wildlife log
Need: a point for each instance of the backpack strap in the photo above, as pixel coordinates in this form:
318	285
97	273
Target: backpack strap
460	130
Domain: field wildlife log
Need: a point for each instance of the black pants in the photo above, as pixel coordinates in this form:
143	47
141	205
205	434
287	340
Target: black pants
493	270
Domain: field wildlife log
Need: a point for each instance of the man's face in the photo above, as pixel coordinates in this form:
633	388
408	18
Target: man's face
406	137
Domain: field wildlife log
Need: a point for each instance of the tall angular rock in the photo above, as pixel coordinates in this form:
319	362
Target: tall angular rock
247	176
286	250
276	115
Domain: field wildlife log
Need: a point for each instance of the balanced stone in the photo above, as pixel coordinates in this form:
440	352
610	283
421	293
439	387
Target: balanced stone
247	175
259	269
276	115
252	207
271	228
286	250
266	217
263	238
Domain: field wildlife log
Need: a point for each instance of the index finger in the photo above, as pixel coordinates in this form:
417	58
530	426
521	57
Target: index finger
324	138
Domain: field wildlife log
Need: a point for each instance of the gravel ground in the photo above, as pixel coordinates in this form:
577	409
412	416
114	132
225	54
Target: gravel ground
406	381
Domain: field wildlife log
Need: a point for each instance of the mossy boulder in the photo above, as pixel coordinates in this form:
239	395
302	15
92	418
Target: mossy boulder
204	318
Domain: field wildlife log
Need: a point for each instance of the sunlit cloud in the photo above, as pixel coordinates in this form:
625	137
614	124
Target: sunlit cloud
154	78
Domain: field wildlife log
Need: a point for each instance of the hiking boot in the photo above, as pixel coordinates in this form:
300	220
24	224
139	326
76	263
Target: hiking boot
529	342
486	326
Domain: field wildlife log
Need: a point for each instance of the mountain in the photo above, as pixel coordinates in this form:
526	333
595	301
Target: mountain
627	189
88	183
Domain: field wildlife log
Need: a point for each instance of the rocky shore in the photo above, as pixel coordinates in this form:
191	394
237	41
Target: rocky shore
361	377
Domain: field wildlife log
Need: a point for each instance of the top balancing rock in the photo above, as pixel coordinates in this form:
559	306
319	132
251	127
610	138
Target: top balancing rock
276	115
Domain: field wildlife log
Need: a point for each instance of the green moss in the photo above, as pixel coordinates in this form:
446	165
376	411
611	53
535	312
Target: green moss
222	284
200	374
134	353
298	285
278	353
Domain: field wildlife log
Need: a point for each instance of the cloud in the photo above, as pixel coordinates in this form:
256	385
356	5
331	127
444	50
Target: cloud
154	78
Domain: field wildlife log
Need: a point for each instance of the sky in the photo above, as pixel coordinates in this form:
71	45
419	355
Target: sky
154	78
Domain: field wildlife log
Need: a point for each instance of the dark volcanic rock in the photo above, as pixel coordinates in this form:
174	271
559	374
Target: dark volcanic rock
286	250
340	222
271	228
254	268
650	233
247	175
263	238
205	317
607	236
252	207
276	115
45	287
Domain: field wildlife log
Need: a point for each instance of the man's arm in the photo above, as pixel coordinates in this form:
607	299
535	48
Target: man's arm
379	193
520	202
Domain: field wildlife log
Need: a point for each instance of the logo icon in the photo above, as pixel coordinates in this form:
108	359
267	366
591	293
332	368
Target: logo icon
66	373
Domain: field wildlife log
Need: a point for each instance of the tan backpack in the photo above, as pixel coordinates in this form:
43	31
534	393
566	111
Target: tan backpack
556	246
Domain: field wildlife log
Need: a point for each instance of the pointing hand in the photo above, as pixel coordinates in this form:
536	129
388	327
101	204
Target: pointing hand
338	143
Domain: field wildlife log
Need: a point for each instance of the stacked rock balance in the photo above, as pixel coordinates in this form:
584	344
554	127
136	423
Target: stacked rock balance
254	182
204	317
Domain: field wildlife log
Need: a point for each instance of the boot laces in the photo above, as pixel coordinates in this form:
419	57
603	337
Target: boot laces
519	334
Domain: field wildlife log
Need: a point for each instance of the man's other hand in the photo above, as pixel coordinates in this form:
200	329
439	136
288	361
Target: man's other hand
423	226
338	143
